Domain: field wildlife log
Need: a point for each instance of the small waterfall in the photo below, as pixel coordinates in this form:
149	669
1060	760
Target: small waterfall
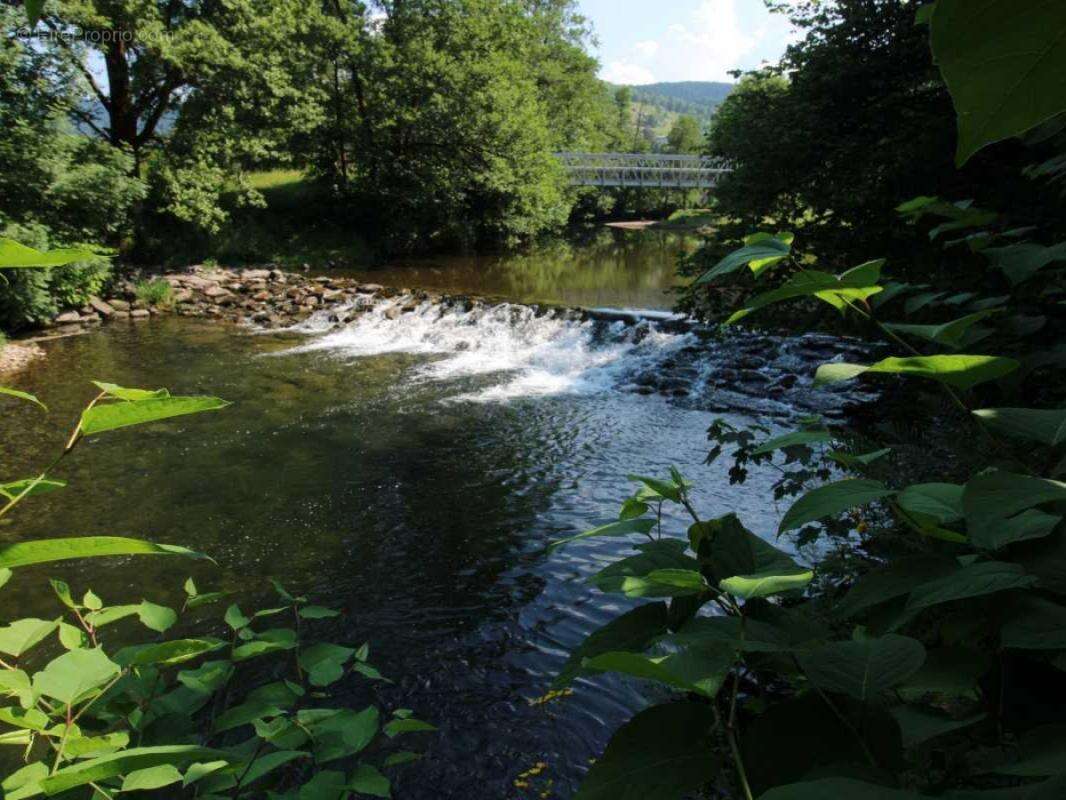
535	351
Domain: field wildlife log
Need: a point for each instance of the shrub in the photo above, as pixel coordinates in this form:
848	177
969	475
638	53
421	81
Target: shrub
156	292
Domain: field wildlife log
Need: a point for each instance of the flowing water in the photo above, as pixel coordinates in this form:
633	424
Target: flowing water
411	470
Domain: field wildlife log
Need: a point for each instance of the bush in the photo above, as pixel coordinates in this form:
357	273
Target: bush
155	292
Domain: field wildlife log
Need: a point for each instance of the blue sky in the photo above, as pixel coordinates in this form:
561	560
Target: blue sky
683	40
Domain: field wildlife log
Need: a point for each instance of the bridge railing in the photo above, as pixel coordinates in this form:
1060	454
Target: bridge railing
654	170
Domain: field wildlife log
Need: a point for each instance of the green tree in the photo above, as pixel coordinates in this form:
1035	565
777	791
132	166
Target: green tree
685	135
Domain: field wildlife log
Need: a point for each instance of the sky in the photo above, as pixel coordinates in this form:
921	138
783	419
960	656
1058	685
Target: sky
683	40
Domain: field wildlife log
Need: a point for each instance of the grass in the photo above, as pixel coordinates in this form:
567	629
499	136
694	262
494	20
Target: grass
155	292
689	219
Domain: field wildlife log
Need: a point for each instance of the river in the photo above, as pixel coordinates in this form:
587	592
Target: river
411	471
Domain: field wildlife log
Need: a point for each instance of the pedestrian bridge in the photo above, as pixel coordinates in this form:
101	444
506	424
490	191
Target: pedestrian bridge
642	170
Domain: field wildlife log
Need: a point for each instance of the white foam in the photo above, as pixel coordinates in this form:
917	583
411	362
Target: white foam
533	355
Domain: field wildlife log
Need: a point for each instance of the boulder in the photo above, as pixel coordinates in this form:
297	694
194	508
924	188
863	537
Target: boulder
118	304
102	308
68	317
140	313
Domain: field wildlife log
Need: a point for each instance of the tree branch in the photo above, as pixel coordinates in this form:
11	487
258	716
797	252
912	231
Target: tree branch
76	60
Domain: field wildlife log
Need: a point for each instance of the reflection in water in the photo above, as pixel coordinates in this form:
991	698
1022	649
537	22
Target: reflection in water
386	471
610	267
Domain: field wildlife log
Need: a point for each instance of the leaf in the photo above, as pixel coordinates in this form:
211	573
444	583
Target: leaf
679	582
792	439
43	486
895	579
1035	624
74	674
658	489
658	668
156	618
344	733
837	787
22	396
175	651
318	612
234	618
991	499
1047	426
961	371
324	662
730	635
640	763
919	725
366	779
1020	262
402	757
760	251
623	527
1001	66
17	256
863	668
21	554
149	778
973	580
857	284
110	416
633	631
23	634
766	583
396	727
270	641
831	499
266	764
949	671
629	575
941	501
952	334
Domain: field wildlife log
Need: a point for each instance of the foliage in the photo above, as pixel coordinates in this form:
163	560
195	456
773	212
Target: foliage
156	292
685	135
914	624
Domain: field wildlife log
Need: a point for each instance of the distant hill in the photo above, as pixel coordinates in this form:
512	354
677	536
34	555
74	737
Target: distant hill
698	98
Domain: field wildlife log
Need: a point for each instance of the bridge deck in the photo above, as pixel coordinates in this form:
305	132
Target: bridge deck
651	170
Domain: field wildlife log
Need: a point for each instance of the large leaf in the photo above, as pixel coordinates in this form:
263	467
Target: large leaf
1020	262
662	753
74	674
793	439
973	580
40	551
623	527
760	251
863	668
22	396
892	581
831	499
633	631
960	371
31	486
1002	63
1047	426
109	416
941	501
765	583
731	635
741	562
1035	624
14	255
23	634
630	575
857	284
841	788
693	670
919	724
991	500
952	334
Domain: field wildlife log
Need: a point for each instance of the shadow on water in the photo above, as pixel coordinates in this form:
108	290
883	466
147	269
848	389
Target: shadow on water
379	469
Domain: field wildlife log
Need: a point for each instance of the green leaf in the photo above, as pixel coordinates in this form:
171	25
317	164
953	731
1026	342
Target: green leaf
200	770
318	612
110	416
649	668
402	757
960	371
919	725
395	727
23	634
633	631
842	788
271	641
175	651
74	674
952	334
766	583
26	776
345	733
324	662
863	668
832	499
974	580
679	582
793	439
1002	67
949	671
623	527
366	779
234	618
1020	262
629	576
991	499
658	489
1035	624
43	486
857	284
21	554
1047	426
122	393
641	763
207	678
156	618
760	251
266	764
894	580
22	396
727	634
17	256
941	501
149	778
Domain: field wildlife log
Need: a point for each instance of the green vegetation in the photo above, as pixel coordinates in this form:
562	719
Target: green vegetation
919	619
155	292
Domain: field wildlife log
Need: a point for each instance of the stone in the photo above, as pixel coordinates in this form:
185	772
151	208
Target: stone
216	293
118	304
255	274
140	313
370	288
68	317
121	315
262	296
100	307
182	296
393	312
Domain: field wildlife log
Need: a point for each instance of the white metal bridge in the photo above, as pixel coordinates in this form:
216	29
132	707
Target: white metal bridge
645	170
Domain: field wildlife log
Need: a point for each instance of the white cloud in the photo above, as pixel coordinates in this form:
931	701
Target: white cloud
627	73
711	40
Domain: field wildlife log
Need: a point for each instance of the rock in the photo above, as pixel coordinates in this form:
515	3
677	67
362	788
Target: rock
100	307
255	274
216	294
67	317
370	288
196	282
786	381
140	313
278	276
118	305
121	315
261	296
393	312
181	296
330	295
